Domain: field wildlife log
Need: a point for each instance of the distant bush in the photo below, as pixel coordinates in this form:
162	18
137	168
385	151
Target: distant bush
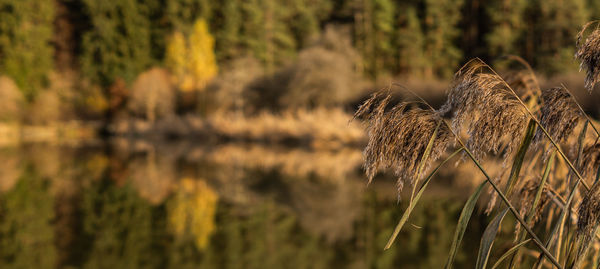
152	94
324	75
228	91
11	100
46	108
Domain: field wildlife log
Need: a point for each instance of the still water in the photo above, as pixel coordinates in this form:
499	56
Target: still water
135	204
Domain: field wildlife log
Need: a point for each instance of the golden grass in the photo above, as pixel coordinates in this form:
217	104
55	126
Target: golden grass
320	128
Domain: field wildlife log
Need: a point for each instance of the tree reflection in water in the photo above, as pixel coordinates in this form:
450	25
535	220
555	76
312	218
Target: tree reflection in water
144	206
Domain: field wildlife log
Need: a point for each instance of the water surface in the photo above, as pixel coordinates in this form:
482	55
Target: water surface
136	204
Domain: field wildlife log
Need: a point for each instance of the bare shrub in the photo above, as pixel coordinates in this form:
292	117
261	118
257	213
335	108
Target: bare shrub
46	108
323	75
152	95
228	91
12	100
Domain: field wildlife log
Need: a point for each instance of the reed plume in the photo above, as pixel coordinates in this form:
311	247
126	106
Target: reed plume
483	102
525	85
526	198
587	226
591	160
523	82
398	137
559	114
588	53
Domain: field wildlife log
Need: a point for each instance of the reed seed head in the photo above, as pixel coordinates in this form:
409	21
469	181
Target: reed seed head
526	198
589	217
525	85
482	102
559	114
398	137
590	160
588	53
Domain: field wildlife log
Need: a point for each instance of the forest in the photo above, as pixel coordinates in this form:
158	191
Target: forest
64	60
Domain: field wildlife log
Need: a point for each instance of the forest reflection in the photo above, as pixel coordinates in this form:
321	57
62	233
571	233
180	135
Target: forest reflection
136	204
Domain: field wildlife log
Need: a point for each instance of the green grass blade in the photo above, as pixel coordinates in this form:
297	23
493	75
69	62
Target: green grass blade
487	240
558	225
509	252
463	220
423	161
520	157
411	205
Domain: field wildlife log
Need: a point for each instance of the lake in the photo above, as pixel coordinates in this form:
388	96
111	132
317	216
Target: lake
126	203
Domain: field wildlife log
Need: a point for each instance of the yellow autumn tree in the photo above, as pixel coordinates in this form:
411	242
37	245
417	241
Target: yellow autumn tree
192	211
192	60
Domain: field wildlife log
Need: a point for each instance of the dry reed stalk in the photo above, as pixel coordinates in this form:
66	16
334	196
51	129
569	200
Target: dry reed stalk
398	137
588	53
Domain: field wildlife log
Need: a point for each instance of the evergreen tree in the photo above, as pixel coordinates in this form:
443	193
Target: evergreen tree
383	28
409	41
374	26
441	31
507	26
266	32
306	19
559	22
595	9
118	43
182	14
227	37
26	53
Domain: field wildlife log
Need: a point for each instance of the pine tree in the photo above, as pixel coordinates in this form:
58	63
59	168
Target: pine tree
229	20
26	53
307	16
594	7
556	29
374	26
409	40
118	43
507	26
268	31
441	31
182	14
176	56
252	34
383	29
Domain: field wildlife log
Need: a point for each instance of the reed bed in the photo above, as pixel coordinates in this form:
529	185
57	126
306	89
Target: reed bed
549	147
